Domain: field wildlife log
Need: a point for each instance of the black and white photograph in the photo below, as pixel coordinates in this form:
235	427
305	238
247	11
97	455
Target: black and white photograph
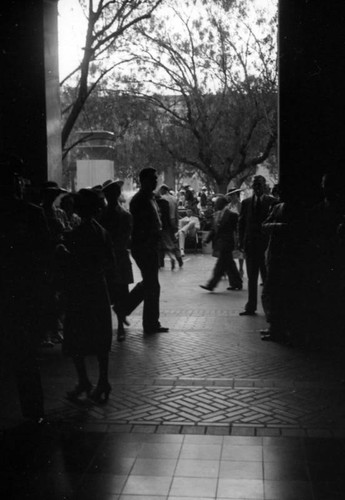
172	250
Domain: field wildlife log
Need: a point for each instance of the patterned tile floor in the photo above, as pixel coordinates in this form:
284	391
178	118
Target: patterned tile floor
205	411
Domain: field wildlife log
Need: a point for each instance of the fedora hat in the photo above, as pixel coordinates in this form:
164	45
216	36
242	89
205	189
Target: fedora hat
52	187
109	182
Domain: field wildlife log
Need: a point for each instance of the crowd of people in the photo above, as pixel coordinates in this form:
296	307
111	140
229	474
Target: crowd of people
298	253
64	267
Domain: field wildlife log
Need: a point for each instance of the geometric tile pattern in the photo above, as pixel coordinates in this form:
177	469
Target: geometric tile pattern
269	407
210	369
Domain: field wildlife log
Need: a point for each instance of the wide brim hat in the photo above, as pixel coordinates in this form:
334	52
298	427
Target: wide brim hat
52	187
164	186
109	182
112	188
234	191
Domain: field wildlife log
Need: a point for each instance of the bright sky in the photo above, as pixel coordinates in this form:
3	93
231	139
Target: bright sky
72	27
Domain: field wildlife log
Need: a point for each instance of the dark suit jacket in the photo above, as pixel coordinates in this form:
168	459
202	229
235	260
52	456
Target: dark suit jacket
251	236
147	224
222	235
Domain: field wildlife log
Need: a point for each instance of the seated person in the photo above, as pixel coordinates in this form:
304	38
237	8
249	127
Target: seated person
188	226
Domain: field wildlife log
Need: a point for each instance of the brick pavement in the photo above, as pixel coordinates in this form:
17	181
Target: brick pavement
210	374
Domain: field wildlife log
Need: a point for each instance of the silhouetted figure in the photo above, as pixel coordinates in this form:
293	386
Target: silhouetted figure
189	196
203	197
147	227
118	222
56	217
88	259
67	204
222	236
325	261
57	224
252	240
24	247
282	293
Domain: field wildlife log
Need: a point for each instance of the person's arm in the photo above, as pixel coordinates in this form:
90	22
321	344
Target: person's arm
271	224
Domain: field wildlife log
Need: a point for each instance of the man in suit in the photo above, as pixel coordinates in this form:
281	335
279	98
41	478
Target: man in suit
147	227
252	240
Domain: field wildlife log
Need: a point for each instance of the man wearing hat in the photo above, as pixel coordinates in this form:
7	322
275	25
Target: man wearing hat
252	240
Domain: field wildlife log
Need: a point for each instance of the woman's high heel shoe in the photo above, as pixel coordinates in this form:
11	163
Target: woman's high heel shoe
101	393
79	390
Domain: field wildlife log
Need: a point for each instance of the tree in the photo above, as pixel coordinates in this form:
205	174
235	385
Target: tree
213	82
129	119
109	22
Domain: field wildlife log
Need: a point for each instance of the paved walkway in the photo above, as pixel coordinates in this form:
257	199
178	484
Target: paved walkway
211	371
206	411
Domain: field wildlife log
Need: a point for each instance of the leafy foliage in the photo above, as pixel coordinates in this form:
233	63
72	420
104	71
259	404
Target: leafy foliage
213	80
109	24
199	90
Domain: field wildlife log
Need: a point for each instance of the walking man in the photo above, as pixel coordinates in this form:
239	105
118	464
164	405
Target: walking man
145	251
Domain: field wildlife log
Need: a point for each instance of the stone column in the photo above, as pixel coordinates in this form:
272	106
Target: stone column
26	102
311	93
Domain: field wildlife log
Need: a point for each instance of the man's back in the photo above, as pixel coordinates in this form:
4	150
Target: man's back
146	221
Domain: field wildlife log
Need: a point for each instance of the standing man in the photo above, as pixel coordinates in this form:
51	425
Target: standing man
252	240
147	227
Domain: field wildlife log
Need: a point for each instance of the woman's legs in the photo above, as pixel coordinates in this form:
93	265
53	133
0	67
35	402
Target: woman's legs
79	363
241	263
101	393
103	364
218	270
172	259
120	307
84	384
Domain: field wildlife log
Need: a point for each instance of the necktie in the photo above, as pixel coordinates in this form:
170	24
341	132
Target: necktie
258	207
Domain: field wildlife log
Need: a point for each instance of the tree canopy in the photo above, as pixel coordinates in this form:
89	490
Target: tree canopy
200	83
214	85
109	22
